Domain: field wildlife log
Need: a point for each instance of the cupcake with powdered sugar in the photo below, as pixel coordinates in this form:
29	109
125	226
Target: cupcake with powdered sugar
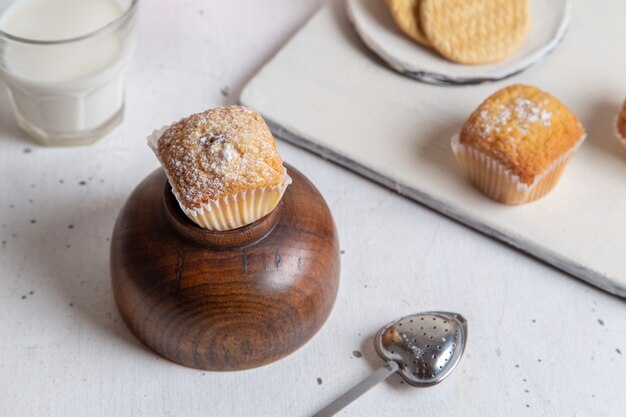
223	166
517	143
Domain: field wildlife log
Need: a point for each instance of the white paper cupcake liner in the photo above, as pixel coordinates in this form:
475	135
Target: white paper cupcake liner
153	140
229	212
238	210
498	182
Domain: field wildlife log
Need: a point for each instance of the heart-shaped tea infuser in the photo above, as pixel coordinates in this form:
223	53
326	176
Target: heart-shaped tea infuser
423	348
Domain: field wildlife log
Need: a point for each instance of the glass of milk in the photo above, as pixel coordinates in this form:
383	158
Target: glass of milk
63	62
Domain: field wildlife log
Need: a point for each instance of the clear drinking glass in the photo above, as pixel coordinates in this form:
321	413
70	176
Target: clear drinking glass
69	91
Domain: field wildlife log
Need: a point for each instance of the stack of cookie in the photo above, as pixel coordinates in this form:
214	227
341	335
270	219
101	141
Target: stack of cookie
465	31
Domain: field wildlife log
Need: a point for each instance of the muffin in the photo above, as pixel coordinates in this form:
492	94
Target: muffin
223	166
516	144
620	125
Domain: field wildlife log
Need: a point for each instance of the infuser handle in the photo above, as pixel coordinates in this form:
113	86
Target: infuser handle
361	388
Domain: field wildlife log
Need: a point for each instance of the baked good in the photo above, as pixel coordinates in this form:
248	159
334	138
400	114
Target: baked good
223	166
475	31
620	125
517	143
406	14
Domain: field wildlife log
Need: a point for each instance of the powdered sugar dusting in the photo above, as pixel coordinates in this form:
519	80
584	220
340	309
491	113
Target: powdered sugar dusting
518	115
219	152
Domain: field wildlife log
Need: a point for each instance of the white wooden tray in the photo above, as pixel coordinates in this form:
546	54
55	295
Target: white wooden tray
325	92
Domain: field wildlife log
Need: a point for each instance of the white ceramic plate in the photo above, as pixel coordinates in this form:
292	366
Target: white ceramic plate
376	28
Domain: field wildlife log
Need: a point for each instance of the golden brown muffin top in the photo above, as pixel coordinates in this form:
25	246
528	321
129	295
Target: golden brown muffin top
621	122
217	153
523	128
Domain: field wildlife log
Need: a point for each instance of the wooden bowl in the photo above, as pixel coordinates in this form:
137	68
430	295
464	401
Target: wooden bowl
231	300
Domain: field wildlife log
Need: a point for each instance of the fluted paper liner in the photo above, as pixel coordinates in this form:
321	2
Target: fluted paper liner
498	182
228	212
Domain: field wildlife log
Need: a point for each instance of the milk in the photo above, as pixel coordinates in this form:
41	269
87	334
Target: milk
69	92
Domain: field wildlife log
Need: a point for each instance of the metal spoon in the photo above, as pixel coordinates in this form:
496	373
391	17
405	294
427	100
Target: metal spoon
423	348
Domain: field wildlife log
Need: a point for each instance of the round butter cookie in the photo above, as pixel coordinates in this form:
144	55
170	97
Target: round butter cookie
475	31
406	14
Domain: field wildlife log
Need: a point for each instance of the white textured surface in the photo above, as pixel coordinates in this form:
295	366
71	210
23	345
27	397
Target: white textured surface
397	131
65	352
